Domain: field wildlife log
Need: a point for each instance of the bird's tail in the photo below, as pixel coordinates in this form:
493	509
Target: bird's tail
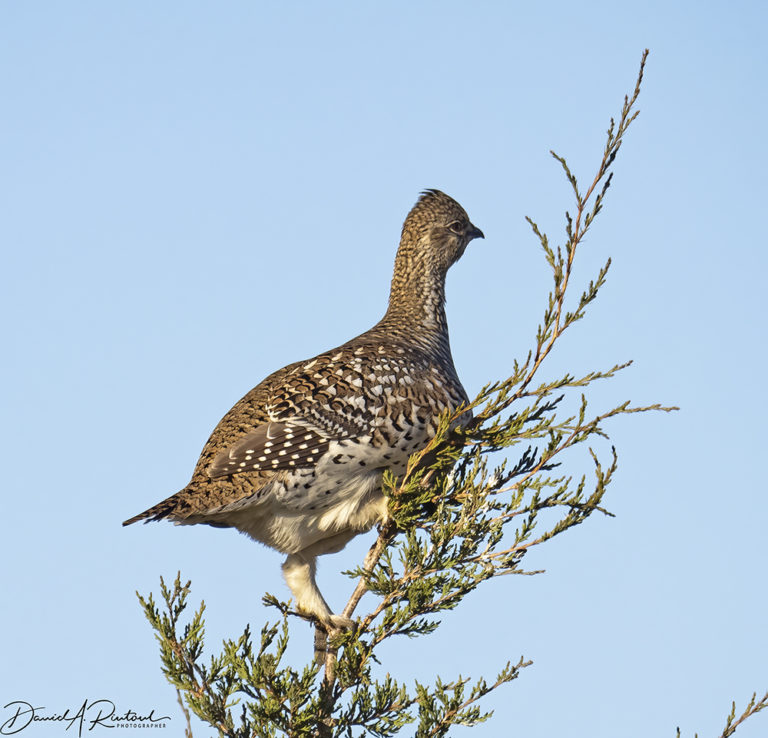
156	512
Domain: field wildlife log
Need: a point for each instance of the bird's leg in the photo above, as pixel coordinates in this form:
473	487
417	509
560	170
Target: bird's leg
299	572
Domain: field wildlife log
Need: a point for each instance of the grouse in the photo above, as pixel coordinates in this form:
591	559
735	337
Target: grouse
298	462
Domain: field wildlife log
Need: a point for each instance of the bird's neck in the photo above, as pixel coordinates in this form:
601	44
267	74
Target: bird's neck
417	301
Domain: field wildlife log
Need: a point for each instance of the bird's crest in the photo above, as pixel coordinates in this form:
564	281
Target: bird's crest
433	205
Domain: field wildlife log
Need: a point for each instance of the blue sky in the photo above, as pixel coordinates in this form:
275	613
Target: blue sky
194	194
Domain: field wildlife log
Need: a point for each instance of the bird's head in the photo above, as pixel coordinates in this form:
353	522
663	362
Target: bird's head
438	225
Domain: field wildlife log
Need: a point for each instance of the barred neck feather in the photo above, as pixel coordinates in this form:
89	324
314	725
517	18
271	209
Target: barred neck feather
417	295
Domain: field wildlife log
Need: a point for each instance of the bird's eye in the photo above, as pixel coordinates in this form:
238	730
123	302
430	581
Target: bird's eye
456	227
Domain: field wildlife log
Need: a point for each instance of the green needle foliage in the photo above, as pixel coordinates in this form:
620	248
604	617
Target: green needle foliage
459	517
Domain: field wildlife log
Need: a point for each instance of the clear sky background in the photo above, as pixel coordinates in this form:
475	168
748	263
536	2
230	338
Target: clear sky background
193	194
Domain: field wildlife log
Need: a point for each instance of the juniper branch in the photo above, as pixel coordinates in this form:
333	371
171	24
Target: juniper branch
454	523
752	708
732	722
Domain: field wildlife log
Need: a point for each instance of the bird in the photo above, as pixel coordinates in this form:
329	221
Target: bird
297	464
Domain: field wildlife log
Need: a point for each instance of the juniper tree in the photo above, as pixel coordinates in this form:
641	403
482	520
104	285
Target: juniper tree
465	511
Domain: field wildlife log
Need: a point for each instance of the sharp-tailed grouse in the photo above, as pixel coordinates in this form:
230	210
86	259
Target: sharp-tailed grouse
297	463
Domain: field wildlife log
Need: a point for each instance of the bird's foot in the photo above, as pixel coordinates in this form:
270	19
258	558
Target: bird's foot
326	620
339	622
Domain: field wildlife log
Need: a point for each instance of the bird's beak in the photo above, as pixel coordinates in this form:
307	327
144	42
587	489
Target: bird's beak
474	232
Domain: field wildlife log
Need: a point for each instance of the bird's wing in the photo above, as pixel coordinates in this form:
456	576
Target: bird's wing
272	447
305	408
